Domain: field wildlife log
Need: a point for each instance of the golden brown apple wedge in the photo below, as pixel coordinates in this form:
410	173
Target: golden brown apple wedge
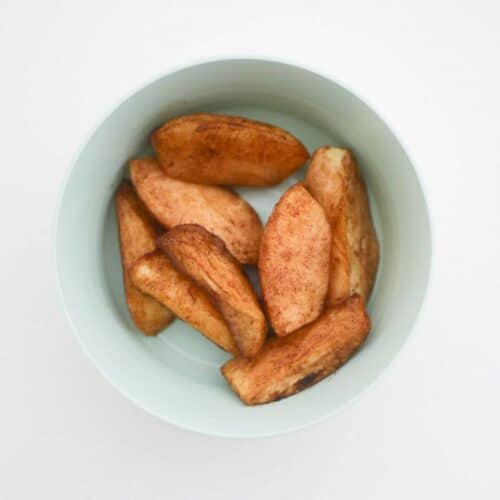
287	365
155	275
137	234
203	257
294	261
218	210
335	181
221	149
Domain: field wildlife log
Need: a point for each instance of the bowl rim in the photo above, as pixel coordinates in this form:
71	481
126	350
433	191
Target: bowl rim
329	76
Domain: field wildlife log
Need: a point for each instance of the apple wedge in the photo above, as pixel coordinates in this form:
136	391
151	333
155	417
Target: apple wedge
222	149
287	365
294	261
335	181
219	210
203	257
154	275
137	234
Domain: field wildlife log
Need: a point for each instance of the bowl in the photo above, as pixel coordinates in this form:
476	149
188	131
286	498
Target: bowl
175	375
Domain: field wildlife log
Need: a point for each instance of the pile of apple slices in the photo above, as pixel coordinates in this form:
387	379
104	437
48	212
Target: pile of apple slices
184	238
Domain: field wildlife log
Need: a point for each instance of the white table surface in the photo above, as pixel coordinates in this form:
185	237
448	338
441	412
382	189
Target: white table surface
430	427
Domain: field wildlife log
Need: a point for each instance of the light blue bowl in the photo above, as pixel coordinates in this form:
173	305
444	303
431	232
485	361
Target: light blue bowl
175	376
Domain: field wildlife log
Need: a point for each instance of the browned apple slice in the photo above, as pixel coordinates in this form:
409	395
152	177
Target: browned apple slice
204	257
218	210
155	275
286	365
221	149
137	233
294	261
335	181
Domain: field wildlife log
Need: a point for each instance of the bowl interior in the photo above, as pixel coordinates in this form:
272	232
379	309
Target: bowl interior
176	374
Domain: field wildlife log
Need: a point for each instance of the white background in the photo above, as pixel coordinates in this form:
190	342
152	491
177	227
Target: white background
430	427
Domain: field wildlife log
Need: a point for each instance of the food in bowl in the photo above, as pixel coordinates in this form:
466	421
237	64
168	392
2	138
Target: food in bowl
204	258
294	261
286	365
137	232
334	180
220	149
221	211
154	275
319	230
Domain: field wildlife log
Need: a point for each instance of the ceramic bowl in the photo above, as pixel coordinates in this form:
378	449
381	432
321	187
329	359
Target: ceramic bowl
175	375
